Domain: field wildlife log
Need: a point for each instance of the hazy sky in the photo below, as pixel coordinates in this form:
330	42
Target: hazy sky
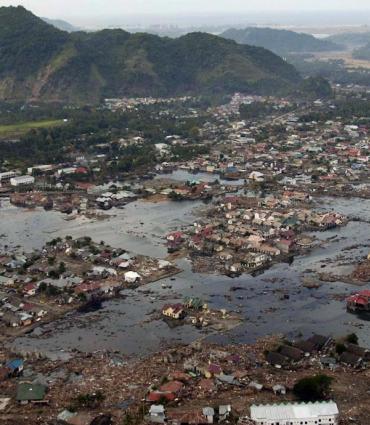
92	10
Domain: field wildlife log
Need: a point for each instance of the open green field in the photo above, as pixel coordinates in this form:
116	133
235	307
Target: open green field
18	129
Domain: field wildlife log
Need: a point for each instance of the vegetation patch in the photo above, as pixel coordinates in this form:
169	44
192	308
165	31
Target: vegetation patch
19	129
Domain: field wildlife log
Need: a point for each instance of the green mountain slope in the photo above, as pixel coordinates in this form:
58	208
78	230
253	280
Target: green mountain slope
40	62
280	41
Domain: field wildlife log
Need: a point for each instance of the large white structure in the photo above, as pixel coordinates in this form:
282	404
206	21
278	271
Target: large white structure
318	413
70	170
40	168
22	181
7	175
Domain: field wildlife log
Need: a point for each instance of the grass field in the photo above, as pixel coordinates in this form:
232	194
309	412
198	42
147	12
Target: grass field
22	128
346	56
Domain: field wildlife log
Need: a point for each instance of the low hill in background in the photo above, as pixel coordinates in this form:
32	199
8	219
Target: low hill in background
280	41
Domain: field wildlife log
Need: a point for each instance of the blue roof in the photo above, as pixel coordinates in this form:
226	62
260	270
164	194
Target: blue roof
15	364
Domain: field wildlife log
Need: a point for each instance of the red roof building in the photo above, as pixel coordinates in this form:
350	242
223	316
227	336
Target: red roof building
359	301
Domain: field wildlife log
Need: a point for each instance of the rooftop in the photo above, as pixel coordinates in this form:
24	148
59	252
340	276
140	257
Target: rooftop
293	411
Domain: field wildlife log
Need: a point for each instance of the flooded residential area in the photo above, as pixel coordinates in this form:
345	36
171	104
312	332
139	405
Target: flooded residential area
188	258
274	301
184	226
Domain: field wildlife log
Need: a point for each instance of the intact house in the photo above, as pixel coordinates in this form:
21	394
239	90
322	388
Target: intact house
359	301
174	311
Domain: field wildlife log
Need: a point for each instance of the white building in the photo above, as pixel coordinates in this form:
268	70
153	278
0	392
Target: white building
7	175
22	181
256	176
70	170
99	271
162	148
40	168
157	414
318	413
132	277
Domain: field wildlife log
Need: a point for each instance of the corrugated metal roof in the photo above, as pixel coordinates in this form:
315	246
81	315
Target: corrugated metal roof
293	411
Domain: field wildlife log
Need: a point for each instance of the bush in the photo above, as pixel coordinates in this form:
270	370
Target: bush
54	242
340	348
53	274
352	339
52	291
128	419
82	297
94	250
43	286
313	388
62	267
174	196
89	400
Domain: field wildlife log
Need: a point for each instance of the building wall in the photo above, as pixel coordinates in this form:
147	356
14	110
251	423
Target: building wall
325	420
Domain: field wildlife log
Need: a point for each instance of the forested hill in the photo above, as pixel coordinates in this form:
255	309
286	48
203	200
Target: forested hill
280	41
41	62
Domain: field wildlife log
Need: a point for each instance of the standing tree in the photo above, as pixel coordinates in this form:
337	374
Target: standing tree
313	388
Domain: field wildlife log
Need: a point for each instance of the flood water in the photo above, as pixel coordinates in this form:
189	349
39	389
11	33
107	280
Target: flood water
126	324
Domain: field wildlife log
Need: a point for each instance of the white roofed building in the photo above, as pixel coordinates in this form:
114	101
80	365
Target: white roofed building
318	413
132	277
7	175
22	181
69	170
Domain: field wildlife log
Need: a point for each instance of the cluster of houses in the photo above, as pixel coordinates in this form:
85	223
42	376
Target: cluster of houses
78	174
301	159
69	271
127	103
242	233
26	391
330	157
14	179
322	350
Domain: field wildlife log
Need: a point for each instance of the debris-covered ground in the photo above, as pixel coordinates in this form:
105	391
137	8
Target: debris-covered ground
185	379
